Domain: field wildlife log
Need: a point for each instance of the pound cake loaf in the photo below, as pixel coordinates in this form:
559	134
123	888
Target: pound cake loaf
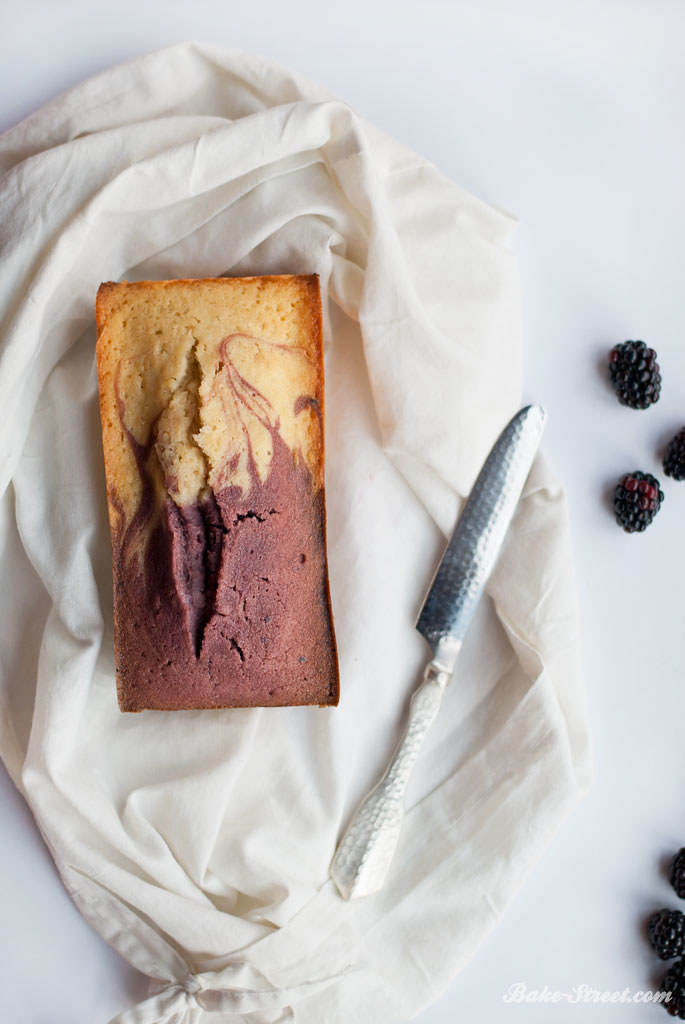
211	398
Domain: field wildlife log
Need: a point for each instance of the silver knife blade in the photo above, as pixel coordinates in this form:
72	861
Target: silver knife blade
364	854
478	536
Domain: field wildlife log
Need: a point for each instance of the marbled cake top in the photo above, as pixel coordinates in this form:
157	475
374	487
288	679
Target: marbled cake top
211	402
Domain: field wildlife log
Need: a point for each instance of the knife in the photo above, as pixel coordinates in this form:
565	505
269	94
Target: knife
365	852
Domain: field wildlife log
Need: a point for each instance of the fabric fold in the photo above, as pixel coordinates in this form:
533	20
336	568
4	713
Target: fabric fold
223	994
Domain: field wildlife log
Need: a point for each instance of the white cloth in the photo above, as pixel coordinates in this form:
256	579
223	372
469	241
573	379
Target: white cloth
198	844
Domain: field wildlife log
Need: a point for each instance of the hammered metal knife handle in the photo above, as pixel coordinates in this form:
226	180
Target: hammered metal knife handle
365	853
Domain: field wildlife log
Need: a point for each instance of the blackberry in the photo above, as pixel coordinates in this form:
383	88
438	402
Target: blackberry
674	983
678	873
674	460
634	374
637	499
666	931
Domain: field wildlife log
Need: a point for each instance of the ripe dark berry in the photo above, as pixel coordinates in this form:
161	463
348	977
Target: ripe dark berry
637	499
674	460
674	982
634	374
678	873
666	931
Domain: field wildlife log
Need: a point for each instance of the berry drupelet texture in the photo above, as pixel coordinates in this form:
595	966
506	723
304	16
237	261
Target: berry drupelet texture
634	374
674	982
678	873
666	932
637	499
674	460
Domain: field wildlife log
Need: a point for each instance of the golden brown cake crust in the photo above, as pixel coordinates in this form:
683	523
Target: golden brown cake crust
211	399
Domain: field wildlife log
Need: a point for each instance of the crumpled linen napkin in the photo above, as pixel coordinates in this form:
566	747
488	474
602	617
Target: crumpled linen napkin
198	844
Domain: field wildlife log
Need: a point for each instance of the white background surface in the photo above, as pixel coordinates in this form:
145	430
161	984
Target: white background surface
570	115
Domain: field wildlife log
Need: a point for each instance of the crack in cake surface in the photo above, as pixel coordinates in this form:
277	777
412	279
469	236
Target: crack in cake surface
182	460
